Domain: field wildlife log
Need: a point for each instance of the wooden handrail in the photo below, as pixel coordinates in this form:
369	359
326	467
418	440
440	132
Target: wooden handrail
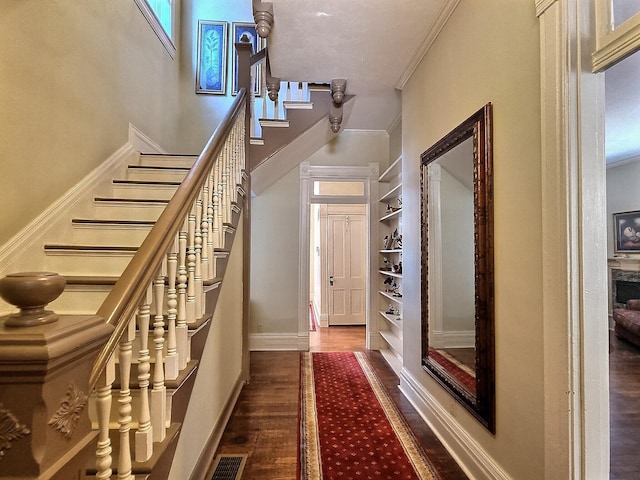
124	299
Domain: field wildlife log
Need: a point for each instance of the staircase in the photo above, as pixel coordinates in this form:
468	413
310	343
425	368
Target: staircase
156	296
149	257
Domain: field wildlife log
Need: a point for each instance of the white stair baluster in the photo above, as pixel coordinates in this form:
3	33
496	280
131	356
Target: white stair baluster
103	409
171	361
144	434
210	217
204	231
191	270
158	394
217	213
181	320
124	402
220	198
198	271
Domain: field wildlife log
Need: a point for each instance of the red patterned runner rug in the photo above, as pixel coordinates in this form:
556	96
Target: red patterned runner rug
350	428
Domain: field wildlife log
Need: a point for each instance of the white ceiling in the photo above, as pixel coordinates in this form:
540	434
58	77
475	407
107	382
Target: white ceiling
372	44
369	43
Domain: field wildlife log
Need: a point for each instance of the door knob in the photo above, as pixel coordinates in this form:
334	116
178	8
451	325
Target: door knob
331	280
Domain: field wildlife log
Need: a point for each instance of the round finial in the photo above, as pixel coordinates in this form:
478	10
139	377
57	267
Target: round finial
31	292
273	95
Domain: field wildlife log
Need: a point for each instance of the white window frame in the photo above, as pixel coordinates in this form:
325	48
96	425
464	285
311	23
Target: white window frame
613	44
159	30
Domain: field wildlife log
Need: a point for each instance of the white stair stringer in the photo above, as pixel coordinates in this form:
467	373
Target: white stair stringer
295	152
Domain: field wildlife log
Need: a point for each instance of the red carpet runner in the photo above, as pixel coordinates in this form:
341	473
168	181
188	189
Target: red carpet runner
350	428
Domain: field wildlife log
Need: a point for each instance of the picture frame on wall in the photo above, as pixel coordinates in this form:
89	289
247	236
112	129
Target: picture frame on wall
238	29
626	231
211	66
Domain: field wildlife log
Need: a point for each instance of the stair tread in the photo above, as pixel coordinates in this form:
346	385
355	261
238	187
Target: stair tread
106	248
105	221
130	200
146	183
158	167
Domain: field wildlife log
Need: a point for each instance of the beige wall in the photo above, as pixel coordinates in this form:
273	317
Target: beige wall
73	76
488	52
200	114
622	194
275	232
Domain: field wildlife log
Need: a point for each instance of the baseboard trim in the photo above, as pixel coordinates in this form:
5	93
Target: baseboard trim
142	143
471	457
205	460
39	226
274	342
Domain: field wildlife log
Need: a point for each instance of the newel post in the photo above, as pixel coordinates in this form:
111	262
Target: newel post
45	363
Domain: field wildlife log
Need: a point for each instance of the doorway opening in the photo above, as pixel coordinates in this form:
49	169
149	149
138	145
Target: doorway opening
338	282
335	260
622	148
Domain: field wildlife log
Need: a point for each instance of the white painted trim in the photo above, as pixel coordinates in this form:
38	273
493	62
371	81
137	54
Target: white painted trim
142	143
542	5
443	16
471	457
573	258
274	342
626	161
452	339
32	233
368	133
434	282
614	44
167	42
396	121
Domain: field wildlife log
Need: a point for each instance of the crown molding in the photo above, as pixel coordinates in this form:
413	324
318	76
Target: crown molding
437	26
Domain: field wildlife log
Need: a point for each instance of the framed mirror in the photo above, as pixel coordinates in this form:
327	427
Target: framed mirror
456	184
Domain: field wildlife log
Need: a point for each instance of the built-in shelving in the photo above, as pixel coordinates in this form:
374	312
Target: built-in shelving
390	226
390	274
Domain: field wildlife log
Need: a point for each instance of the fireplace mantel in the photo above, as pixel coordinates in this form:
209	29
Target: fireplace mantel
624	263
621	268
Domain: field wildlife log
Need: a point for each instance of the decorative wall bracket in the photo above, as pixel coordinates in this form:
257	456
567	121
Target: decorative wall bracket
263	17
335	117
338	89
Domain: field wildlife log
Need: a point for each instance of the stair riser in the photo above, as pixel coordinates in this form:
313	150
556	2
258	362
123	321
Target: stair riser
80	300
155	175
166	161
127	211
87	264
144	192
108	234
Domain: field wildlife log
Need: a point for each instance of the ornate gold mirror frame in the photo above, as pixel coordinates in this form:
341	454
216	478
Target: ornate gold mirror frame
472	380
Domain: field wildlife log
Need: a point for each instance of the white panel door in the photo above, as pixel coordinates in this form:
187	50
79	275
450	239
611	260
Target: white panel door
346	269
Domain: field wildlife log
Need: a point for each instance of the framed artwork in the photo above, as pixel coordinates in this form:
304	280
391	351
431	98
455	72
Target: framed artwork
626	231
238	29
211	68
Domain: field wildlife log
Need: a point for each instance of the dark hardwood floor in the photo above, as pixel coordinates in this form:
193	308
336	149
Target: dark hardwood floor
624	397
264	424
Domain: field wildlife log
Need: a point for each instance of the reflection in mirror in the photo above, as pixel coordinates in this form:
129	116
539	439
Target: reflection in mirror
457	264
